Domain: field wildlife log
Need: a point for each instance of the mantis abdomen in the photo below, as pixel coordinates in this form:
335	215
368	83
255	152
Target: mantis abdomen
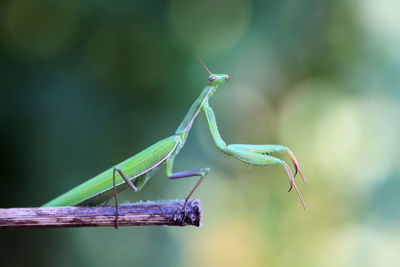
139	168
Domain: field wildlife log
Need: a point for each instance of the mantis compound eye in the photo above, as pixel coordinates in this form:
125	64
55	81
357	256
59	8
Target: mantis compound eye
211	79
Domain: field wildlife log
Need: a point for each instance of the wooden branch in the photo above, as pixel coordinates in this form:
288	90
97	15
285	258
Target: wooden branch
134	214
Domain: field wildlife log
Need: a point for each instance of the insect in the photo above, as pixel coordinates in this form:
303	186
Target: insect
137	170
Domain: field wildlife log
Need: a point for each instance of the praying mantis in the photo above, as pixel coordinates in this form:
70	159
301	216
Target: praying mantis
134	172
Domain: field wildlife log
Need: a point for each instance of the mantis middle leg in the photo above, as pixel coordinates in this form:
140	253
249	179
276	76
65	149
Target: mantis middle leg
185	174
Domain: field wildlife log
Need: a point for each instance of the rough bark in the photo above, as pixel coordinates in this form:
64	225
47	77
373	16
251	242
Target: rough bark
135	214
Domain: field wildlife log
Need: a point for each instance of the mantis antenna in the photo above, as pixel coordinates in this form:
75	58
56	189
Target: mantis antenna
201	61
198	56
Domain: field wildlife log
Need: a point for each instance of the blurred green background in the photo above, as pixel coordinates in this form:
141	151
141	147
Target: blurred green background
86	84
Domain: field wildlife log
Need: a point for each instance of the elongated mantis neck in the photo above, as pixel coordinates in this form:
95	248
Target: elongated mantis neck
214	81
194	110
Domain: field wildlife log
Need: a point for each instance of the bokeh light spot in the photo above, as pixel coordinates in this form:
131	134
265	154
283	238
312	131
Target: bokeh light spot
112	55
381	18
212	26
346	137
41	28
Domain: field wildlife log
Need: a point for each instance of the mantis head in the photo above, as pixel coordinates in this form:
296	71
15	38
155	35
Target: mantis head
218	79
213	79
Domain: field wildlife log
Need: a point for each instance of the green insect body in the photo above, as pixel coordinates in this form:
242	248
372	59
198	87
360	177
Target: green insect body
137	170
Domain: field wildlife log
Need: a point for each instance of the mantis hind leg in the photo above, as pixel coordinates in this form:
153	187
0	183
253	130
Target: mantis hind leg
131	186
260	155
185	174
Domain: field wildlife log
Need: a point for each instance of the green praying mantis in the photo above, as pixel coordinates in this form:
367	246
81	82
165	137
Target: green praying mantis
138	169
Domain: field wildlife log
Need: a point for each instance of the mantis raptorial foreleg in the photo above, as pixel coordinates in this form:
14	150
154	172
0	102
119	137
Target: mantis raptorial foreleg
270	150
249	156
185	174
253	154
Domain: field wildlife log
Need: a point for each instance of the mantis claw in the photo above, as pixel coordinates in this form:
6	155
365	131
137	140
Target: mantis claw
296	167
293	184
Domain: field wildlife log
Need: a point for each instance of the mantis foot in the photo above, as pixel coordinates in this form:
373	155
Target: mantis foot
116	218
